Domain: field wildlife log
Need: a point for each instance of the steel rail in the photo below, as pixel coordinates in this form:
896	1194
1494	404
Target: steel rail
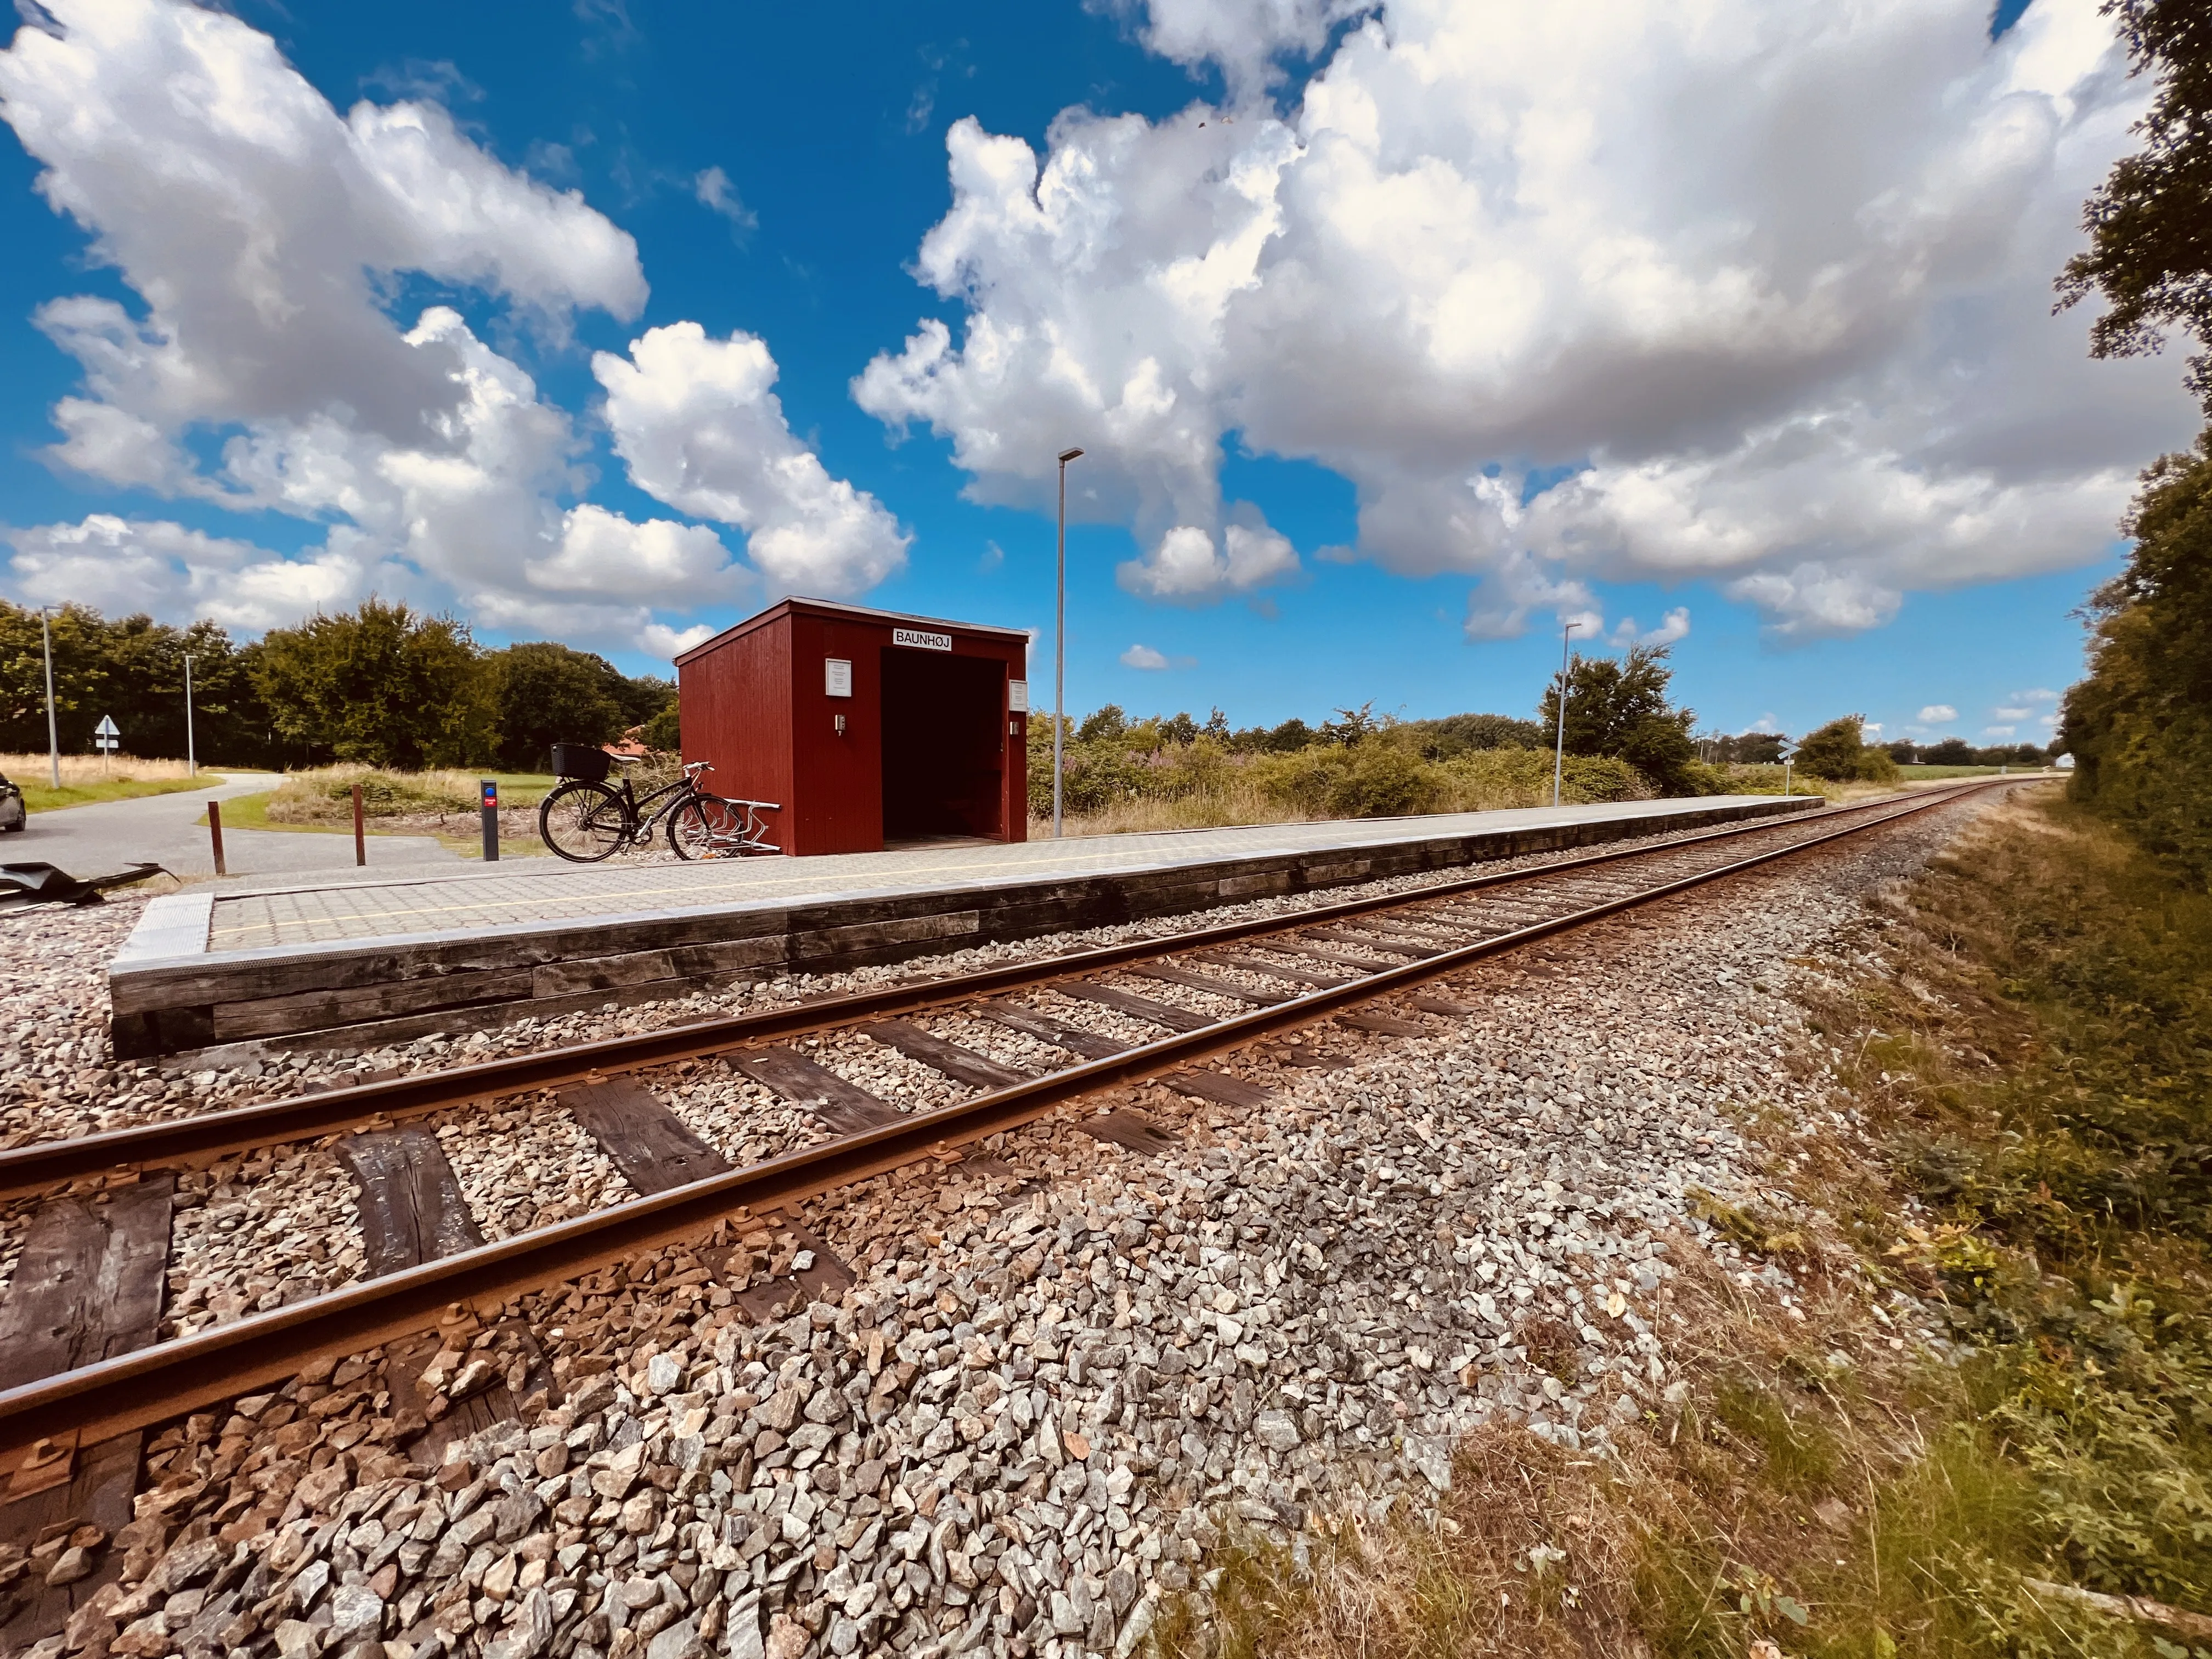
190	1142
168	1379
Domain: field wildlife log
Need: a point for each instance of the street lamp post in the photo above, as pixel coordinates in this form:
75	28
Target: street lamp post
1560	752
54	739
192	756
1059	645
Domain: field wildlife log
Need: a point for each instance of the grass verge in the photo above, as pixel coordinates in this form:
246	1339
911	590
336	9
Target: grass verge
1988	1429
517	826
40	797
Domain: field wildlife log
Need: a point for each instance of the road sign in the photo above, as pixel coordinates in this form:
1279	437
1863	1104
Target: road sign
107	728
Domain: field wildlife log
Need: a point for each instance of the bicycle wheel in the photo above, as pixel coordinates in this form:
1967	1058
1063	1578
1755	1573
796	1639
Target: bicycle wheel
705	826
583	822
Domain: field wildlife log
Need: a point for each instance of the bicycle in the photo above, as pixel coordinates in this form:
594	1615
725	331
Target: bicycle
584	819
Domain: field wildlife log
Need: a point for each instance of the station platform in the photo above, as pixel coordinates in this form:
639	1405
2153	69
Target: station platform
375	959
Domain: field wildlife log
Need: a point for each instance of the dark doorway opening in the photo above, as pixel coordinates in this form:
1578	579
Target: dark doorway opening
944	745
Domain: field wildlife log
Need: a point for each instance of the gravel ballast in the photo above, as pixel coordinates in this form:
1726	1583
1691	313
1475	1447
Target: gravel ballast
1065	1372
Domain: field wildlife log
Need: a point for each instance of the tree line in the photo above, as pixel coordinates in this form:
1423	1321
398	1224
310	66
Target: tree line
389	686
1620	713
383	684
2140	723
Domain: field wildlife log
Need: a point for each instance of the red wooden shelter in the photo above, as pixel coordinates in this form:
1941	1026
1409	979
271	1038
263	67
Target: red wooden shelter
867	728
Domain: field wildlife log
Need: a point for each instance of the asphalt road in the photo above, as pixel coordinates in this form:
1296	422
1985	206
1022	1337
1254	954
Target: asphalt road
165	829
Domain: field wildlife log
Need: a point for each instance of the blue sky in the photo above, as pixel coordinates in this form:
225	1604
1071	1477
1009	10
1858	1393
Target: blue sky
1435	438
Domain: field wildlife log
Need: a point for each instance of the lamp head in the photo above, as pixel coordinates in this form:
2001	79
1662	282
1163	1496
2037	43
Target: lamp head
1067	455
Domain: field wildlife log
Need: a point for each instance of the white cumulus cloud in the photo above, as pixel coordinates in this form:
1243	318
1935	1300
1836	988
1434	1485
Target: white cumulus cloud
698	425
1772	282
1244	38
261	369
601	552
1186	564
1153	661
1675	625
128	565
1935	714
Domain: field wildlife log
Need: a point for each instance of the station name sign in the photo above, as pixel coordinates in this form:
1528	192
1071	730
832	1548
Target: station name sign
921	639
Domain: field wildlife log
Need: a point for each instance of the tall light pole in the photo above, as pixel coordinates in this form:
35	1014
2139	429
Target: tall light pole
53	740
1559	753
191	758
1060	645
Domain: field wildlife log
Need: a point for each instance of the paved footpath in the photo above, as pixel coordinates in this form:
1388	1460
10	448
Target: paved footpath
165	829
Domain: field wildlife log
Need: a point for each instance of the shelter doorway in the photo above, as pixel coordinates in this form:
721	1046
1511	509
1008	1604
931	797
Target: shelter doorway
945	746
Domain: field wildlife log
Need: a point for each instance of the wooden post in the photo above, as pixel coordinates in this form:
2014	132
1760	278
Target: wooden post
214	834
360	835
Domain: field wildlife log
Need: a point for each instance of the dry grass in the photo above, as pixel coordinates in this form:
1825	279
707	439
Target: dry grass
1818	1488
91	768
1687	1540
1816	1491
1213	809
322	795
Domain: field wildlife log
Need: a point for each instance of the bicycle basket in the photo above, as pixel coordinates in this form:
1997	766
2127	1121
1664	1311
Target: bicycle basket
581	760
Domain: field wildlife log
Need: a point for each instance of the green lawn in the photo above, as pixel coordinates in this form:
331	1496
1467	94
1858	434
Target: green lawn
252	812
38	797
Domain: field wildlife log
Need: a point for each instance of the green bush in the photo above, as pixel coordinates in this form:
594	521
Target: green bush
1875	766
1305	780
1383	781
385	796
2140	726
1839	753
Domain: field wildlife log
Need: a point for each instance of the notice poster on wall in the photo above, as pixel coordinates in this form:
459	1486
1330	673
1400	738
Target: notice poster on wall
1017	696
836	676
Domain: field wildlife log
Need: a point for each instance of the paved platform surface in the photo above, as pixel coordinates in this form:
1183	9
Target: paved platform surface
376	905
367	956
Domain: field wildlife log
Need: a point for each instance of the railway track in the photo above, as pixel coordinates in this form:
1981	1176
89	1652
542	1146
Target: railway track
1151	1009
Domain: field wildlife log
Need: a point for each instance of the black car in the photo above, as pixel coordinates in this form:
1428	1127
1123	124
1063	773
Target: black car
13	813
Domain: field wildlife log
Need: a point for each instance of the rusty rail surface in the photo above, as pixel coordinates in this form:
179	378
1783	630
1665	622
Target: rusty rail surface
191	1142
155	1384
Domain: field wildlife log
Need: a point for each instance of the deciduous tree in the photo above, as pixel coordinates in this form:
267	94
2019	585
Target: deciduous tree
549	694
1620	707
384	685
1839	753
2140	724
2150	224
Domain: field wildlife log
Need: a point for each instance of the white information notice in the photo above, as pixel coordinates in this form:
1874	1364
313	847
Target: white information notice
921	639
836	676
1017	696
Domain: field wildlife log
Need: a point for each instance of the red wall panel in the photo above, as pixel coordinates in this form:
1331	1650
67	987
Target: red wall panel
755	703
733	696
